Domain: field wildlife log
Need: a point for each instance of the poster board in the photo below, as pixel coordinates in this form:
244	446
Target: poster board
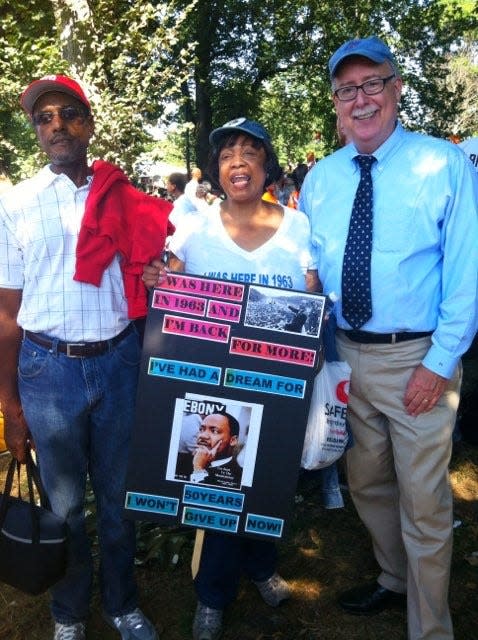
215	347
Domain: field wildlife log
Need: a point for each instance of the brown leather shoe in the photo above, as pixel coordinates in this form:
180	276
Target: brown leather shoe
369	599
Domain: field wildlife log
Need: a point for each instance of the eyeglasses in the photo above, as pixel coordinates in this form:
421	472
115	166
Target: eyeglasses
370	88
68	114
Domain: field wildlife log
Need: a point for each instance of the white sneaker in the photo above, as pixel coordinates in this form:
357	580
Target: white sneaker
75	631
273	591
207	623
132	626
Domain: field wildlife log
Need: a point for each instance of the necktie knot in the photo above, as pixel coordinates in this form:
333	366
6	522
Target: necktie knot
365	162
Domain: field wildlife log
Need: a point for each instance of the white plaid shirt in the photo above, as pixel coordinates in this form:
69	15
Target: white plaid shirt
40	220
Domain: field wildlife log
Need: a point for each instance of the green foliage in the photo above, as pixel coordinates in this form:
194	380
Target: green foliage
26	50
168	547
284	110
122	51
200	63
268	60
429	33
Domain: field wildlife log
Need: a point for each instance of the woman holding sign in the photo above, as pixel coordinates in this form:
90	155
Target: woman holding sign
248	240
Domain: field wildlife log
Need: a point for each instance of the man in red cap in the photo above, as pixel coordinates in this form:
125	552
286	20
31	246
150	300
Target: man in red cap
75	238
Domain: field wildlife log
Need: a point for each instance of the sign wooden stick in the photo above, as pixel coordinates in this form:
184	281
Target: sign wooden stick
196	558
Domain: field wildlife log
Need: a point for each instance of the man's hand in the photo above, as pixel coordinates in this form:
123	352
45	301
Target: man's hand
16	428
204	456
424	389
17	433
154	273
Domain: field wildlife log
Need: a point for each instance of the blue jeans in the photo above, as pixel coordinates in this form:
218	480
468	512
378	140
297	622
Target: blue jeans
80	412
330	495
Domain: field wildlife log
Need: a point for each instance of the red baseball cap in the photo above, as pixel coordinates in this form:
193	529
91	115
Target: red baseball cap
63	84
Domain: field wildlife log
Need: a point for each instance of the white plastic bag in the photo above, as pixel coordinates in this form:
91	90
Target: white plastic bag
326	434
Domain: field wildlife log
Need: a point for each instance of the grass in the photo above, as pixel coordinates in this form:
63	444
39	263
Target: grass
326	551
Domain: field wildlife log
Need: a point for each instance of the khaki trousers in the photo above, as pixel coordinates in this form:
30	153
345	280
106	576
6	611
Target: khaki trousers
397	473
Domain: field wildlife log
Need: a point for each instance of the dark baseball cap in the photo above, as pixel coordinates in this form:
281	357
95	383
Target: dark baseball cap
62	84
242	125
372	48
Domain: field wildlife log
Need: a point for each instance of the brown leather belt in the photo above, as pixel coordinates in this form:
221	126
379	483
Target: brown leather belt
79	349
366	337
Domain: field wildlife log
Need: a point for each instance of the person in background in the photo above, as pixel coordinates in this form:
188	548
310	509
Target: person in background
204	198
470	147
175	185
249	238
285	187
298	176
71	241
192	184
341	133
310	158
403	336
182	204
468	410
270	194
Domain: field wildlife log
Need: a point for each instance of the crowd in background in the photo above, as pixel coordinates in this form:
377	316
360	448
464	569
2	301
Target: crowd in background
198	194
72	237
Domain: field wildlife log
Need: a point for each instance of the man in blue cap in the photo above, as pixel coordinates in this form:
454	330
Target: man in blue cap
401	255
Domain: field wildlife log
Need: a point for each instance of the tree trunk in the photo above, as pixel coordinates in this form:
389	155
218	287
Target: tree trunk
205	21
203	124
74	24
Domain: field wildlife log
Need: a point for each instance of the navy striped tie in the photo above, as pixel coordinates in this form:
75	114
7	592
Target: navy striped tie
356	290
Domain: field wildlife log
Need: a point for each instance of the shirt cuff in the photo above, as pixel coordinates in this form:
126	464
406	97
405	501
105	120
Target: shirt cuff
440	362
198	476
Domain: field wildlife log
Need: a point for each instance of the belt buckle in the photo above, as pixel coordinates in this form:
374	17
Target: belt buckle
394	338
70	345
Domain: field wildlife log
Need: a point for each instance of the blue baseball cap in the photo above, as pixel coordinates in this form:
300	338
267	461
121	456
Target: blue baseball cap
242	125
372	48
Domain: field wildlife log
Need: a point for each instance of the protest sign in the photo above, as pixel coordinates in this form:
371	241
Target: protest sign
225	384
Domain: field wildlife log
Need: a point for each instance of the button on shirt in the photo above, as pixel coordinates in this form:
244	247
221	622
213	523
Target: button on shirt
39	224
424	270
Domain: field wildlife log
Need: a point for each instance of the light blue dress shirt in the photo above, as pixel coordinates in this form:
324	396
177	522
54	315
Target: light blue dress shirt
424	268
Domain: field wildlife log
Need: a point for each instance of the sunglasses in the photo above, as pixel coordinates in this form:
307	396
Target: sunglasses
67	114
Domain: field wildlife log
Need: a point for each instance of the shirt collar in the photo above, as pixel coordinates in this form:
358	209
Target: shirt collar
382	152
48	177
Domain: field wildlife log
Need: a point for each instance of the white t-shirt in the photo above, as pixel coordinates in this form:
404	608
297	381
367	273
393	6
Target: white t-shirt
206	248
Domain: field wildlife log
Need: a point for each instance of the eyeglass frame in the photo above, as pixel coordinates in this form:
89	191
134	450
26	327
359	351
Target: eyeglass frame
44	118
361	86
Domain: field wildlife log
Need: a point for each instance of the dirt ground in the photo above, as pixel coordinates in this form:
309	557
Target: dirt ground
326	551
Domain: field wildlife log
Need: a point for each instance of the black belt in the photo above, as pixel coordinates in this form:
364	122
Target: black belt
367	337
80	349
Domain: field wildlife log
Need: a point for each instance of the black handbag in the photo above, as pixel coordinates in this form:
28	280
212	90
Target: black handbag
33	540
